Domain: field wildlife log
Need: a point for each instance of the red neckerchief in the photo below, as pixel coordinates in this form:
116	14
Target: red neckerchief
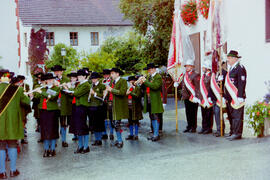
129	96
111	95
44	104
74	100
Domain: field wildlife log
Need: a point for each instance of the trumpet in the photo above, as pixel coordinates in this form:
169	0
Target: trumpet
36	89
140	81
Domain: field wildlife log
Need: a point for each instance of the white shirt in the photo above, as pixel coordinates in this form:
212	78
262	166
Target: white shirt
233	66
117	79
154	74
83	81
96	83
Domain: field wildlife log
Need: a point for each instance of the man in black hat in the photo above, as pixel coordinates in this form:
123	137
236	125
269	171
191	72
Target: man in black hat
117	95
152	98
235	94
108	121
63	102
96	110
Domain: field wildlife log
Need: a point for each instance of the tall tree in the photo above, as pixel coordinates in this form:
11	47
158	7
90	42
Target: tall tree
153	19
37	49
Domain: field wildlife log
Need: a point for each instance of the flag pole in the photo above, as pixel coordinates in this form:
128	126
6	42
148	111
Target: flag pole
221	93
176	104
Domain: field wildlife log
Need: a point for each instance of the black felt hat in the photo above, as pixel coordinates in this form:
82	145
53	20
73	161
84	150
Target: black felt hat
117	70
82	72
49	76
58	68
150	66
233	53
106	71
72	74
95	75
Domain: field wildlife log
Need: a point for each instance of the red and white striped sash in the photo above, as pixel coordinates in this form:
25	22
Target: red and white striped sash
190	87
205	102
216	90
233	91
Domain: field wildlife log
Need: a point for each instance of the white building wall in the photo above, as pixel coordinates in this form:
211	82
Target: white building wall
61	35
246	34
8	45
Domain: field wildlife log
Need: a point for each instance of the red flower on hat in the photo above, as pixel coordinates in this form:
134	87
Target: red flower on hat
258	113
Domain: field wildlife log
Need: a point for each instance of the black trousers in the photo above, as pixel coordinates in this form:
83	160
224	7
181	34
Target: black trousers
207	118
65	121
236	117
191	114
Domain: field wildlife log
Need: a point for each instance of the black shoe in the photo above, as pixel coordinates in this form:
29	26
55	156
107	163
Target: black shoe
201	131
155	138
192	130
217	134
40	141
104	136
136	138
234	137
3	175
114	143
186	130
120	145
209	131
64	144
14	173
97	143
52	153
23	141
130	137
228	135
74	139
87	150
111	137
78	151
150	138
46	153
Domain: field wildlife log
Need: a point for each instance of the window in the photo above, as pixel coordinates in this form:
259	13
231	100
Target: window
267	20
50	38
73	38
94	39
25	39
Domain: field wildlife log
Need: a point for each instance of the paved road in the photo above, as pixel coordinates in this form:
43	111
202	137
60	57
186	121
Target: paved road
176	156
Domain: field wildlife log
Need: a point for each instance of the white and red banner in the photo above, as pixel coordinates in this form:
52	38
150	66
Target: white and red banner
233	91
181	48
205	102
190	87
216	90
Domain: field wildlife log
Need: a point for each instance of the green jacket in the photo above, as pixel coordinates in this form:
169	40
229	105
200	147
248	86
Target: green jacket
11	124
65	106
81	94
120	101
94	101
136	103
155	85
52	101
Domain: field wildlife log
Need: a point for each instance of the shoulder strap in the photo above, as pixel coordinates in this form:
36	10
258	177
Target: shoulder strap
7	97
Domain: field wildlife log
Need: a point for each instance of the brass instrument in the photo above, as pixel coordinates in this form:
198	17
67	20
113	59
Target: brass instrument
36	89
140	81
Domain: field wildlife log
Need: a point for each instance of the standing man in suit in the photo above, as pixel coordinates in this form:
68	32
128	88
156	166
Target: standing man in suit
152	98
117	94
235	94
190	94
206	102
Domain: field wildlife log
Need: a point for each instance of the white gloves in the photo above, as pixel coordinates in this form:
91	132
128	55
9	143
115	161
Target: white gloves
240	100
196	100
220	78
210	100
175	84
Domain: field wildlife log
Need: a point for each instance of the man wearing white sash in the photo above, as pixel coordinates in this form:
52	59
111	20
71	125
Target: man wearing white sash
235	85
216	79
190	93
206	102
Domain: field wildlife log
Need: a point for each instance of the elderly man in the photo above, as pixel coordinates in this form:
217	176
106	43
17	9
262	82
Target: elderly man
235	85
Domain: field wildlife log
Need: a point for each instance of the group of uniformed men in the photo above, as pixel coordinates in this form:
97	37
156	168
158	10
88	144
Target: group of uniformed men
87	102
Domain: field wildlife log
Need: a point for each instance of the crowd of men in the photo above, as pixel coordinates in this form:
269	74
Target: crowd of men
85	102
